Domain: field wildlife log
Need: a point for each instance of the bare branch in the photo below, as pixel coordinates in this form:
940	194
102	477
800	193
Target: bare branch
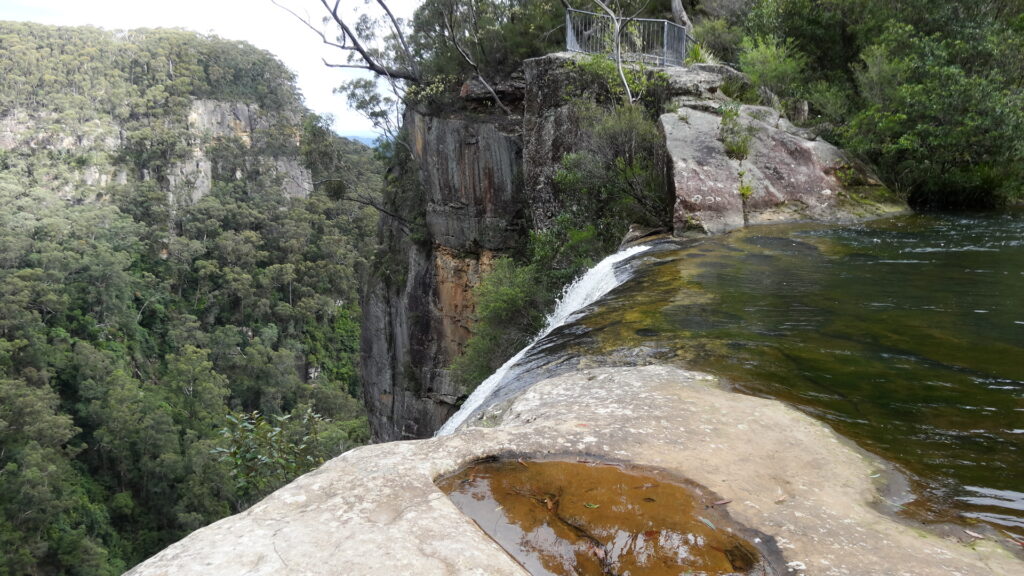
309	25
371	62
336	65
398	31
617	42
361	200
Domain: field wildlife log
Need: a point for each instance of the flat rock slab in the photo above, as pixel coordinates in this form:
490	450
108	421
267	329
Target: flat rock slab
375	510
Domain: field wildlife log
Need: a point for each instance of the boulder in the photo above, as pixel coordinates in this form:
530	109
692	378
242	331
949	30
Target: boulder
787	175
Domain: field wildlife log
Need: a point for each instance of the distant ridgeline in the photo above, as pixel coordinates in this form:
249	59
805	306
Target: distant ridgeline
178	302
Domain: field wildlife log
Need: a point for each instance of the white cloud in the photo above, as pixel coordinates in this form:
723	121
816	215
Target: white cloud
258	22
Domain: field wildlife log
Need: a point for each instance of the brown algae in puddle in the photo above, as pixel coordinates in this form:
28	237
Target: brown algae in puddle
576	518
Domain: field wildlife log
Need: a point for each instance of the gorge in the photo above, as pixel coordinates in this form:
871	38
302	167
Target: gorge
627	317
617	383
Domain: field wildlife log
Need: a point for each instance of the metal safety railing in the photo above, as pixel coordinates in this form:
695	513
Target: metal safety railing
646	40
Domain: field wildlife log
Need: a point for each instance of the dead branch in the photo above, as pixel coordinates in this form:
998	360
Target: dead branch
350	42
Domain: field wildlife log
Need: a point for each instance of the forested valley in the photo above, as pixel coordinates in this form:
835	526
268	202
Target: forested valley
166	358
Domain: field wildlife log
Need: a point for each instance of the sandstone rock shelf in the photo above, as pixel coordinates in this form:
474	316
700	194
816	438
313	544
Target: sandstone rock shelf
376	510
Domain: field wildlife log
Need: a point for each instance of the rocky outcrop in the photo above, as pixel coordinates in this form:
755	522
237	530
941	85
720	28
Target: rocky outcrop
550	129
785	173
213	120
376	509
97	144
469	174
220	119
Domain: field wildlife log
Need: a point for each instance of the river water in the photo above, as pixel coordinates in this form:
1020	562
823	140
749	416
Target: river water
905	335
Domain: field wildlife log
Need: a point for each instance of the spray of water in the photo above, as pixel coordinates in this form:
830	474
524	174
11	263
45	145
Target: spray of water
581	293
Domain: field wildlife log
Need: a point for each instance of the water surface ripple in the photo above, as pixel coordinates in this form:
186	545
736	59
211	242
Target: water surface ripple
906	335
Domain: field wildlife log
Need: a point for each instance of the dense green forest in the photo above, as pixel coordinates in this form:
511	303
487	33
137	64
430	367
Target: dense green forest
165	360
929	92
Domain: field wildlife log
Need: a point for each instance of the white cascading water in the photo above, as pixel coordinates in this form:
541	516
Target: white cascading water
582	292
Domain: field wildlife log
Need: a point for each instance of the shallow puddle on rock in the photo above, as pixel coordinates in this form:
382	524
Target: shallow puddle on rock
586	518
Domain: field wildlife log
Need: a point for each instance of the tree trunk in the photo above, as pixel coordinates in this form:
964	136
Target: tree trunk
679	14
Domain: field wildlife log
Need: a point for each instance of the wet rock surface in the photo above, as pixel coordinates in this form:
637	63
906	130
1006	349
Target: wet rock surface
377	510
582	517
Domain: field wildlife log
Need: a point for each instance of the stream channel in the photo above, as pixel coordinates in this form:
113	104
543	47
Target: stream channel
905	335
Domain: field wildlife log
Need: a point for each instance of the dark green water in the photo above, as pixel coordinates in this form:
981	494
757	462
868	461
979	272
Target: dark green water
906	335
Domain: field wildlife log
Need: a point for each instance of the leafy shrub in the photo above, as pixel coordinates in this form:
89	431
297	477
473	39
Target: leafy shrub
647	86
830	104
746	189
773	65
616	176
740	90
735	136
718	37
435	94
507	316
699	54
938	133
765	18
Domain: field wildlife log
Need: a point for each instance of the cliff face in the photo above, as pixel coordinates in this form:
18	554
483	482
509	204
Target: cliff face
550	130
212	120
484	181
469	173
98	144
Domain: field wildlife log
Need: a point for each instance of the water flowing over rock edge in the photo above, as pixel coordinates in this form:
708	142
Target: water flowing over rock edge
582	292
376	510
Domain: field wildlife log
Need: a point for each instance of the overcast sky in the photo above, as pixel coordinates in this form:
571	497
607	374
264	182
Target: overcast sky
256	21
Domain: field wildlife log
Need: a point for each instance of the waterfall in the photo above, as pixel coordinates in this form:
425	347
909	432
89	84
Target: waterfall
582	292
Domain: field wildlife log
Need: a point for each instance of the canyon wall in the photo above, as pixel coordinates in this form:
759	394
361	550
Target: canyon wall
417	313
98	159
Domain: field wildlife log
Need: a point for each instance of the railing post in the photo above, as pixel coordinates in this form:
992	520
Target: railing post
664	43
568	30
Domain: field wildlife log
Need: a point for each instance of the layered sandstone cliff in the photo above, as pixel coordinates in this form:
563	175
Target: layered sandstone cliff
469	172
